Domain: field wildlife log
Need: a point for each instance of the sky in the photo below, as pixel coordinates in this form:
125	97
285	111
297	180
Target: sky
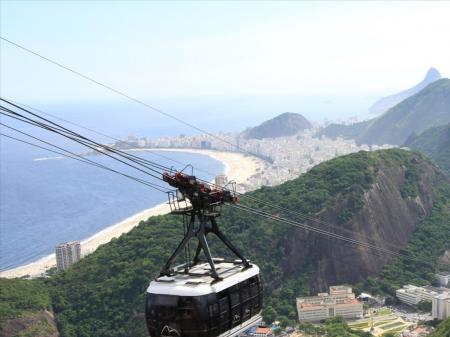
216	51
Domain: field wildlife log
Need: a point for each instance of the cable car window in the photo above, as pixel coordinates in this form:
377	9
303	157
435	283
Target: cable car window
214	310
234	296
186	303
254	289
245	292
224	305
224	308
189	320
165	300
246	311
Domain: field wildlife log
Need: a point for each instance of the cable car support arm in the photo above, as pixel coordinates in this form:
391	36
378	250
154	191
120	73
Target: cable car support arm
202	212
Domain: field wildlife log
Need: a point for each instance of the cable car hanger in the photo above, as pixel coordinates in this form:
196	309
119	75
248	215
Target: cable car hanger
200	202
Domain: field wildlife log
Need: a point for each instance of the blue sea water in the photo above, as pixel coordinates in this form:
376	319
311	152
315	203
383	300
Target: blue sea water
45	202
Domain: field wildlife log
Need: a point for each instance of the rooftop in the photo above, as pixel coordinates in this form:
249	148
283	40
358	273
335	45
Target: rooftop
199	281
262	329
303	305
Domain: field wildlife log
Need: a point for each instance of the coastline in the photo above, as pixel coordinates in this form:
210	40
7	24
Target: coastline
238	167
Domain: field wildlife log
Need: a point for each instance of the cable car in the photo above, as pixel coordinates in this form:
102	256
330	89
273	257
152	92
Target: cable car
198	306
211	298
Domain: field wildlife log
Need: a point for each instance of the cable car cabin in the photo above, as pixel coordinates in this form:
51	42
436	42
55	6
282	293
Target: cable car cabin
193	305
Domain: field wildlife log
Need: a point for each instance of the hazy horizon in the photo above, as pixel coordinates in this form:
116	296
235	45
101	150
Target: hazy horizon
235	63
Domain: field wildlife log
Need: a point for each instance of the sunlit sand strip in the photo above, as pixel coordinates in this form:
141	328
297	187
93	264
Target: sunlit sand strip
237	167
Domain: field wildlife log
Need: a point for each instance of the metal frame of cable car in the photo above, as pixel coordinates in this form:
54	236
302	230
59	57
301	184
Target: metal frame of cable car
212	298
199	202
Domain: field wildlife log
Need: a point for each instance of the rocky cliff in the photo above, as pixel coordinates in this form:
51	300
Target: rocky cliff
387	218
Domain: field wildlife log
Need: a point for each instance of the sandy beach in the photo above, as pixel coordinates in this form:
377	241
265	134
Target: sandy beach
238	167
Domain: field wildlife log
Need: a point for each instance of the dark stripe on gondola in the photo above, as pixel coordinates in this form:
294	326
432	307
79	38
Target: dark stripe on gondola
204	316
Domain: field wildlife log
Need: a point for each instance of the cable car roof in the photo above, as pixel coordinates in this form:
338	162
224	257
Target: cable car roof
202	283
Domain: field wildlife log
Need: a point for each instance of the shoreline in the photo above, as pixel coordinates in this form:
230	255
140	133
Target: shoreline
238	167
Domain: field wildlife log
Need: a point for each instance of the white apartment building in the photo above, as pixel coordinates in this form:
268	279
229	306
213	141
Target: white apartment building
221	180
412	295
443	279
341	292
340	302
67	254
441	306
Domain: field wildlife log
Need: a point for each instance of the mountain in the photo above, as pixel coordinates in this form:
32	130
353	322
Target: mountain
394	198
434	143
428	108
385	103
286	124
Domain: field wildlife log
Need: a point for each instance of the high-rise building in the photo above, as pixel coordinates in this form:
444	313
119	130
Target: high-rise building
340	302
67	254
440	306
221	180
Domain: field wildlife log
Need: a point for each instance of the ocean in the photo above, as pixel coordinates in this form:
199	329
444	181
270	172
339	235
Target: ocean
46	200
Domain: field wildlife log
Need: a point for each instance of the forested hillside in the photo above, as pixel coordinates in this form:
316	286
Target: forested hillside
103	295
442	330
25	309
286	124
435	144
428	108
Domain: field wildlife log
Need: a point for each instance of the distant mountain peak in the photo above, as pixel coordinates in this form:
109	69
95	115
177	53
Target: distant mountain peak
385	103
428	108
432	75
285	124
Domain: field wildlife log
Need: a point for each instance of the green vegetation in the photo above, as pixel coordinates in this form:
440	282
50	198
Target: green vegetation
19	297
389	334
385	321
428	108
442	330
103	295
434	143
412	177
424	306
334	327
286	124
392	325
